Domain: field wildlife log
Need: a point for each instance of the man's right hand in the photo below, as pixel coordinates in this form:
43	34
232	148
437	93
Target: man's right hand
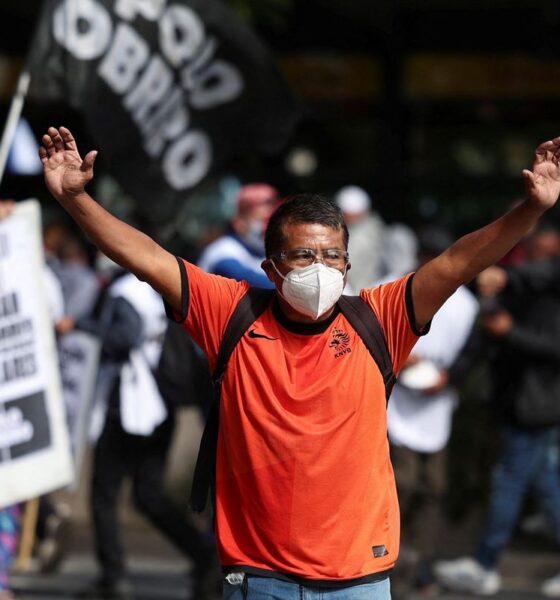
66	174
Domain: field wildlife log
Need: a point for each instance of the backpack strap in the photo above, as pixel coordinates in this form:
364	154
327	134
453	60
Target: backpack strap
364	320
250	307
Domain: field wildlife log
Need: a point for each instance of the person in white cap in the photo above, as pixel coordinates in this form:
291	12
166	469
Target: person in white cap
366	230
238	253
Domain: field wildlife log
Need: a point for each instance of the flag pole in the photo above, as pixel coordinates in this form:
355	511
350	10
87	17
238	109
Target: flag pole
13	117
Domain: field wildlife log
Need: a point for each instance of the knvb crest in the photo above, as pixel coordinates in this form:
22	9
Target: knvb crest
340	341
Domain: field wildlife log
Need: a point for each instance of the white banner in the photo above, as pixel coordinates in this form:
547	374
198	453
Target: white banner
35	455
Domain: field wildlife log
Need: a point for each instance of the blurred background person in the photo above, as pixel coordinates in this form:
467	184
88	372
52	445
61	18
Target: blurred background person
238	253
522	328
420	413
366	229
67	256
135	437
399	253
80	285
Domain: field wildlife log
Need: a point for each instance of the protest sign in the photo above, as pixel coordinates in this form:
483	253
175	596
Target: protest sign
35	455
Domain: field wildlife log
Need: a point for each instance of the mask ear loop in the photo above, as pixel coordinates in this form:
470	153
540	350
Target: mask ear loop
276	269
279	291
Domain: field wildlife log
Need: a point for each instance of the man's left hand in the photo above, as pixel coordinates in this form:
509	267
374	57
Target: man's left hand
543	182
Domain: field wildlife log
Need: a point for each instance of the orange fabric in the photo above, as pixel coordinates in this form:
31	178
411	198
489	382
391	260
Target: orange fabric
304	481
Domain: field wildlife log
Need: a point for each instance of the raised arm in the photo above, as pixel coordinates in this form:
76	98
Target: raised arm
66	176
469	255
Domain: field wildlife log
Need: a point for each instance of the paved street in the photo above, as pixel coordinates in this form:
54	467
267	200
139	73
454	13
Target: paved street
158	572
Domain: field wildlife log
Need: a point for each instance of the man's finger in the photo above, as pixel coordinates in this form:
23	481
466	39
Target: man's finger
48	144
52	132
528	176
546	145
58	143
89	160
68	139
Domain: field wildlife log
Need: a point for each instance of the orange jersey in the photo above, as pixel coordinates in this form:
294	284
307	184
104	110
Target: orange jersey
304	484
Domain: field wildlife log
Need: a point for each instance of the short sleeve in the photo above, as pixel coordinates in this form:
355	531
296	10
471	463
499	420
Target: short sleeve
209	301
392	304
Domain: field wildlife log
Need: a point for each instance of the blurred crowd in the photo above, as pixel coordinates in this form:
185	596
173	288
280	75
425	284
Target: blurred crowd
505	321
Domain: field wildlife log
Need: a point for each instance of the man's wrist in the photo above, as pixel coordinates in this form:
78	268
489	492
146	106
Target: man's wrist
70	198
534	207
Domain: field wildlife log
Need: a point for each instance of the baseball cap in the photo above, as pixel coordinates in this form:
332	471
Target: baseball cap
352	199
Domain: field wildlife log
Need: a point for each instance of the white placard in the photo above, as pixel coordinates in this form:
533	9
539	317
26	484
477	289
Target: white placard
35	455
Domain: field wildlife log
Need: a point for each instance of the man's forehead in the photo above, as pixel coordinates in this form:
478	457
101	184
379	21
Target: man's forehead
309	235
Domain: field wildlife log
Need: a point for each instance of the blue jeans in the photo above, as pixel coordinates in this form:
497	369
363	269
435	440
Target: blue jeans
528	460
267	588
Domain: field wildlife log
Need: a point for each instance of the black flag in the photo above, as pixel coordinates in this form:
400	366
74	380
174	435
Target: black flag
170	90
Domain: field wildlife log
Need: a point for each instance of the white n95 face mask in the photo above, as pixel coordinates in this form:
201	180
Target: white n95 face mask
313	290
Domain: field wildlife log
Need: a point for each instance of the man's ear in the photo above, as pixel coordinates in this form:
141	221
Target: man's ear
267	267
348	267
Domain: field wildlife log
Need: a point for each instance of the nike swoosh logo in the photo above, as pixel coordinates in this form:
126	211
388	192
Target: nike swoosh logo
253	334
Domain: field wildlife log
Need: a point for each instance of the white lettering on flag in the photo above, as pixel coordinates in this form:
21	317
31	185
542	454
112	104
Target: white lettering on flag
157	88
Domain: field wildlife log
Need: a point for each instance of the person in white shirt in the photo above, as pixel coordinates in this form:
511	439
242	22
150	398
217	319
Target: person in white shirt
420	414
366	229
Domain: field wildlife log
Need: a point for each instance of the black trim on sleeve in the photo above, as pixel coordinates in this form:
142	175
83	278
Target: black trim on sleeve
333	584
410	309
171	315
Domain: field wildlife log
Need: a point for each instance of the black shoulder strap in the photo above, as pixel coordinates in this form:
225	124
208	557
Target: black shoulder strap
367	326
250	307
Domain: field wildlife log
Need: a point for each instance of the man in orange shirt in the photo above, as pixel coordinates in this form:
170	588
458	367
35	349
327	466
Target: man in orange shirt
305	493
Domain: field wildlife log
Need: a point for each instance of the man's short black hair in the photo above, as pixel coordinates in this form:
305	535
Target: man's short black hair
302	208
